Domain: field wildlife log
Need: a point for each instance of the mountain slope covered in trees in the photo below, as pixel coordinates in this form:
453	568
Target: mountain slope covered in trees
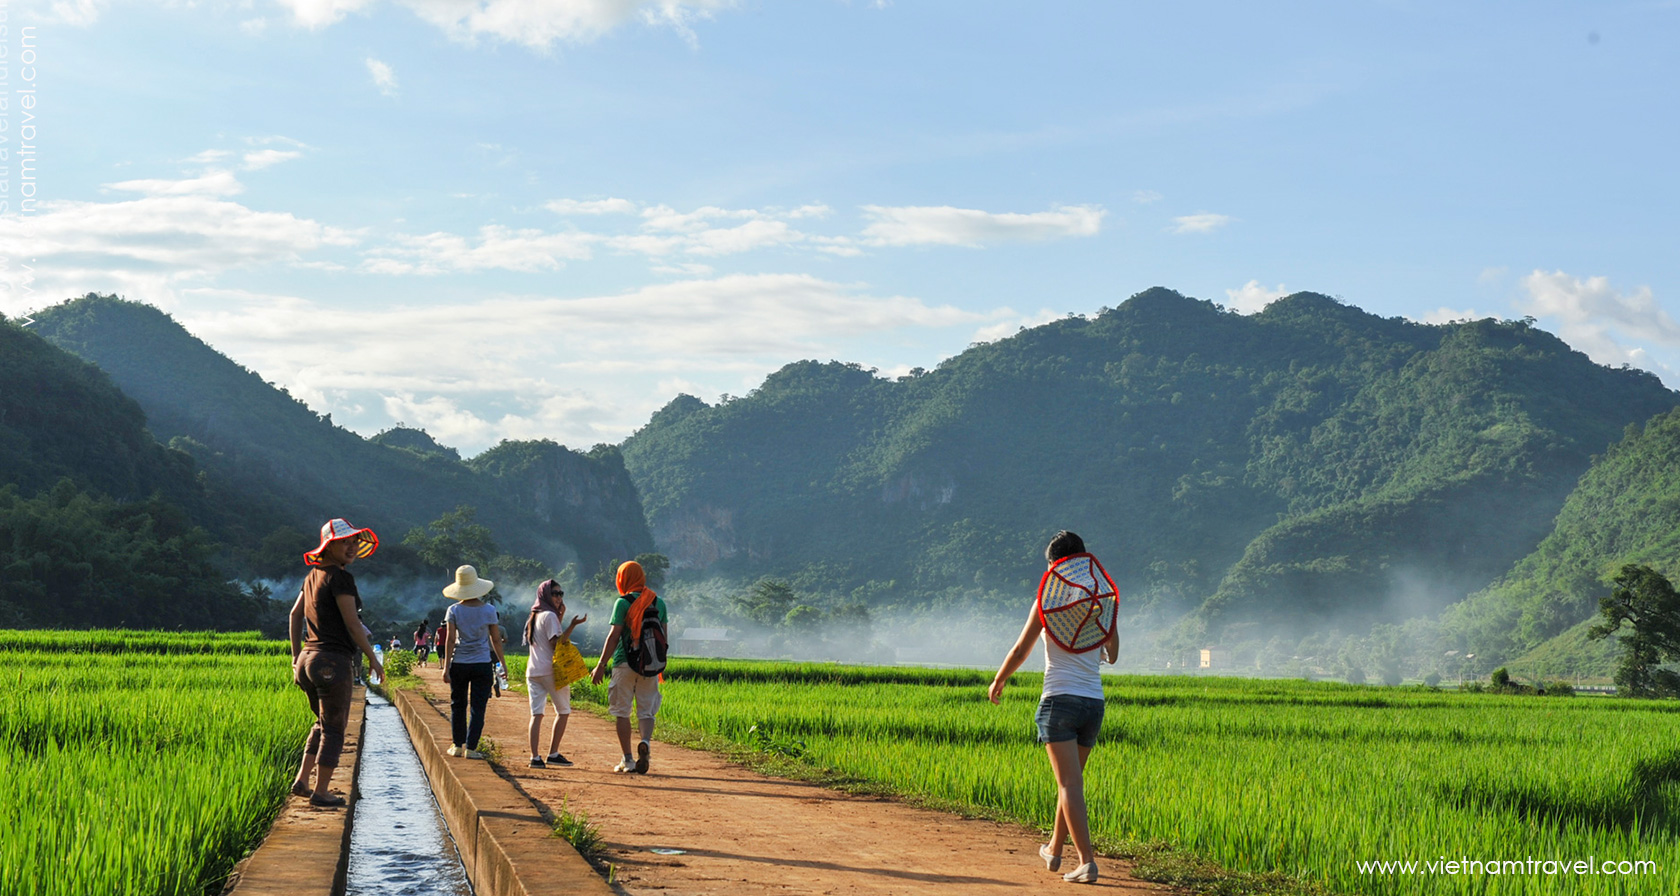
1311	466
1626	509
99	524
272	447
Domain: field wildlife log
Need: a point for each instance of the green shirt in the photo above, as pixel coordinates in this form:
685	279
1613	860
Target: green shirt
621	610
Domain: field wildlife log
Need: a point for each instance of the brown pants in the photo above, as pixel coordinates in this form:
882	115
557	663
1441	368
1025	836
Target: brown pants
325	677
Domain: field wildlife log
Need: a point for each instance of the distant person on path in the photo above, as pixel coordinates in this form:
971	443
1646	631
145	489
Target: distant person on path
1074	615
469	647
630	621
327	635
543	635
422	646
396	644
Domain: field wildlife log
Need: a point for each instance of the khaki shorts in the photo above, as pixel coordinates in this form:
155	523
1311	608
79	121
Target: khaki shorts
542	689
627	684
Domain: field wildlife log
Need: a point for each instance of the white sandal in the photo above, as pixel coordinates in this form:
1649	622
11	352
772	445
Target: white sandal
1084	874
1052	862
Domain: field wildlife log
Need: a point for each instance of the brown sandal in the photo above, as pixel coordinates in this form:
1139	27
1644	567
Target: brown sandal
330	801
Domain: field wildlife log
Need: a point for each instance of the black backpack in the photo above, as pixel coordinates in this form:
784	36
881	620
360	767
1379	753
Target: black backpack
646	655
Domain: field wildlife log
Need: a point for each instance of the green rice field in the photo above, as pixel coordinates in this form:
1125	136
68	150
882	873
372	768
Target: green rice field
140	762
1307	779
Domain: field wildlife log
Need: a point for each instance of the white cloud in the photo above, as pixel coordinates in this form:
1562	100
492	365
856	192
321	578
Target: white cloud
263	158
1252	297
947	226
663	217
321	13
591	207
148	246
273	139
1201	222
534	23
1445	315
510	366
742	238
684	269
1599	320
208	157
77	12
1014	323
665	232
213	183
1144	197
497	248
383	77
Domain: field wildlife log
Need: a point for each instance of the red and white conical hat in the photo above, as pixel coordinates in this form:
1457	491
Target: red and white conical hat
1078	603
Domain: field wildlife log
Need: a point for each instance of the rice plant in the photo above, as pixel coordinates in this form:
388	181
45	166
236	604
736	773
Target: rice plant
1308	779
140	762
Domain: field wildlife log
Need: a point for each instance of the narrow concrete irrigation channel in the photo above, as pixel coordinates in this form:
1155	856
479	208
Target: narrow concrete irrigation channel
420	824
399	844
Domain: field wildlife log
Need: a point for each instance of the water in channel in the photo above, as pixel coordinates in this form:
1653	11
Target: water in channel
399	845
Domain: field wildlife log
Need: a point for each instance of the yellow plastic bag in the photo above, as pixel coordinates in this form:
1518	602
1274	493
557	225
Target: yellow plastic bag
568	664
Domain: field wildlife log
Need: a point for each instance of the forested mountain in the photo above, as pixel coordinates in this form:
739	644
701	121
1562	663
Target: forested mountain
97	520
62	417
1311	466
1625	510
556	506
1247	479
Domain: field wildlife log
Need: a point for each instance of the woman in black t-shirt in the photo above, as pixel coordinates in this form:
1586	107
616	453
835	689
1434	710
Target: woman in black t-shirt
327	633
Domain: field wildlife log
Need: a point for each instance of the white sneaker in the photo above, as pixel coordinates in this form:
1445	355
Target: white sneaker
624	766
1084	874
474	754
455	750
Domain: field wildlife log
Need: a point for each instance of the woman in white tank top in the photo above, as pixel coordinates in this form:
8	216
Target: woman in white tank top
1069	715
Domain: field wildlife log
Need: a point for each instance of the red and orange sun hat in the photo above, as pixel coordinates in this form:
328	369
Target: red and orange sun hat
336	529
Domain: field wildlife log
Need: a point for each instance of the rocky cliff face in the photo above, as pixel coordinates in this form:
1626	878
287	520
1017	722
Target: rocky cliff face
697	537
584	500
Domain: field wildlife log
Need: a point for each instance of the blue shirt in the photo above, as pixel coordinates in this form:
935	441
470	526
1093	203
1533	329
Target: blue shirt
472	632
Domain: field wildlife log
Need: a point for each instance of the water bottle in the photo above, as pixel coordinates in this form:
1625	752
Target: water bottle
501	675
374	677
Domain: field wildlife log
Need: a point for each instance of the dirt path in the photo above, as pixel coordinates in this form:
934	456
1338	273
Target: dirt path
742	832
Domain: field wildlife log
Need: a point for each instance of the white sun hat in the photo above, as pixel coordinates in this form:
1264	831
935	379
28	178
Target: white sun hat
468	586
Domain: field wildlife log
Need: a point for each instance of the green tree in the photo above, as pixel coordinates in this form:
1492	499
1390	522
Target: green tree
654	566
804	619
522	570
452	540
1645	600
767	602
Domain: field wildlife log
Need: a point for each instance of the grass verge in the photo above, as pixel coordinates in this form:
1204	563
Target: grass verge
575	828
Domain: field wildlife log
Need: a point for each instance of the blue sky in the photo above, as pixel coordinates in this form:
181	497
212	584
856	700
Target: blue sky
545	218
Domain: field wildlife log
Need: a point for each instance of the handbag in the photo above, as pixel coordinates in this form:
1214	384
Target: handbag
568	663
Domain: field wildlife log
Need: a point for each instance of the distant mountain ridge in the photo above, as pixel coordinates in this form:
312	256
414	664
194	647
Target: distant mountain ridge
1312	467
1312	462
569	506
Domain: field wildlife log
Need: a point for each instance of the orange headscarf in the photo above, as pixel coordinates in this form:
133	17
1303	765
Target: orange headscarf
632	578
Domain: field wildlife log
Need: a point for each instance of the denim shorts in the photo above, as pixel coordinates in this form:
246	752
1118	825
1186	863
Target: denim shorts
1065	717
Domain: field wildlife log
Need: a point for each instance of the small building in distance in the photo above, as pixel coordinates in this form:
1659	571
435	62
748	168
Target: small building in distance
703	642
1214	658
